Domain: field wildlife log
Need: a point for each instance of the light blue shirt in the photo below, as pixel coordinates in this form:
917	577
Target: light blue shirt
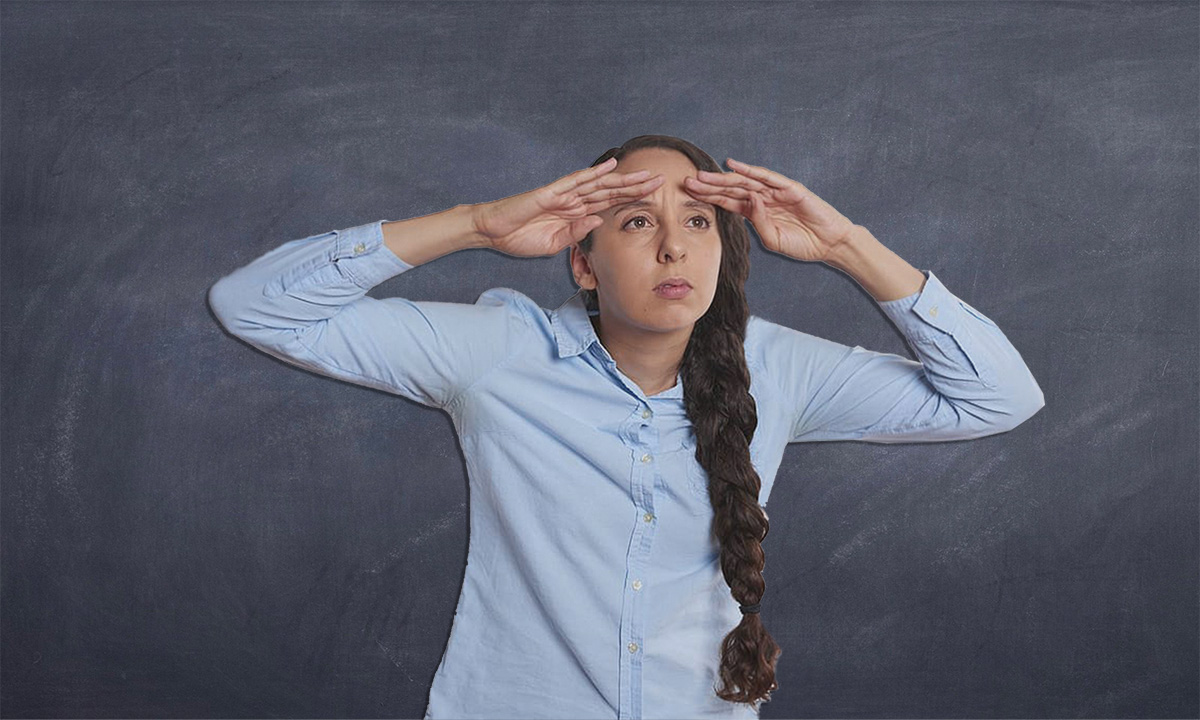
592	587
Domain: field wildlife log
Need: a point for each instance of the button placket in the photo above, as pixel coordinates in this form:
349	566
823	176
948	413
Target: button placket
641	438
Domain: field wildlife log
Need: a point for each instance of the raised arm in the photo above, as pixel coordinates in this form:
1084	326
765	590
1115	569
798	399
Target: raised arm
305	302
970	380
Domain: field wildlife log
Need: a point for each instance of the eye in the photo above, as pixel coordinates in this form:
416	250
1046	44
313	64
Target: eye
706	224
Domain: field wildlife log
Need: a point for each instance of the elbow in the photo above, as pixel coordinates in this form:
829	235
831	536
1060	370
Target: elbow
1024	404
222	300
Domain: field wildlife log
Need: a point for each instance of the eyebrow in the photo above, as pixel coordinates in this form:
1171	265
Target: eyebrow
646	203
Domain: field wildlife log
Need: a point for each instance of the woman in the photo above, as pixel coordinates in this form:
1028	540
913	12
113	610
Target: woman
621	447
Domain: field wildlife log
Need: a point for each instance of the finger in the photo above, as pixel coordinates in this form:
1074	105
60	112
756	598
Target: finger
576	231
728	180
590	197
762	174
737	191
721	199
758	214
610	180
567	182
602	199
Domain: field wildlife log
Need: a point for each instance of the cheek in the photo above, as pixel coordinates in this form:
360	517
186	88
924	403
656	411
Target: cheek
715	258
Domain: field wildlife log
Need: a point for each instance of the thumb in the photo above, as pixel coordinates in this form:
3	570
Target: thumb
580	228
758	213
768	231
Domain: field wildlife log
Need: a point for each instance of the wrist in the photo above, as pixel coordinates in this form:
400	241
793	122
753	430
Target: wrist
853	251
471	214
881	272
421	239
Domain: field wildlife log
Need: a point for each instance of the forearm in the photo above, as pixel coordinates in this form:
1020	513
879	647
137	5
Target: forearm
302	282
881	272
421	239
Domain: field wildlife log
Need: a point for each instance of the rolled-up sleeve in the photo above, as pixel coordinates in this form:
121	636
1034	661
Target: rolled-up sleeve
968	381
305	303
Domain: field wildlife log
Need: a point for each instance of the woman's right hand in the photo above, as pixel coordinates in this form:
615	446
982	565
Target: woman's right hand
544	221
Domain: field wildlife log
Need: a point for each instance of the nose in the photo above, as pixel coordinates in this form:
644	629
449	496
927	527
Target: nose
672	243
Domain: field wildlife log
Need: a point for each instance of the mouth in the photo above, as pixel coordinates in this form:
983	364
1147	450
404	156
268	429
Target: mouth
673	282
673	288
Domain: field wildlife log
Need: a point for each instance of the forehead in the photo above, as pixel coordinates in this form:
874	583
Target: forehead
673	165
657	160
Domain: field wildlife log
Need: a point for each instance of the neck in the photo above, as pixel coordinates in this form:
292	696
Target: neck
651	360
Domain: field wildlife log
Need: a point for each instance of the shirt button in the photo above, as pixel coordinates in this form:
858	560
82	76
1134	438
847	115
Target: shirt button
359	248
646	457
648	517
632	647
637	584
646	413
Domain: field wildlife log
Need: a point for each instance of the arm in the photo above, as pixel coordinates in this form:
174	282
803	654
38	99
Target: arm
969	382
305	302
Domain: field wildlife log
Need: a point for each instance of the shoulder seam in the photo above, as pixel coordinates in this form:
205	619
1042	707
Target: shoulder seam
771	379
516	347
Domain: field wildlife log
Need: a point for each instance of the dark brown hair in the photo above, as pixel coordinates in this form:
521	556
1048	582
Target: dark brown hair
717	400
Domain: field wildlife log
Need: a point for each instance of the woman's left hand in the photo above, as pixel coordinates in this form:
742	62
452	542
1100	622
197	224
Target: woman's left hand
788	217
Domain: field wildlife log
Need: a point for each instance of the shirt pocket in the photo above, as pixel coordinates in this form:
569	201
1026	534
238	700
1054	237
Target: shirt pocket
686	478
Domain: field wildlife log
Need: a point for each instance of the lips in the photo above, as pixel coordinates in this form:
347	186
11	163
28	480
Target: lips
673	281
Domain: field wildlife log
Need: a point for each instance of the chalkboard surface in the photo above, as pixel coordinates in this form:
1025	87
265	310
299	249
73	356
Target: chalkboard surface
193	528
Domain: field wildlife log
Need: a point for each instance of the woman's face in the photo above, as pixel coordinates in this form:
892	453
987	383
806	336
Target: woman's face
667	233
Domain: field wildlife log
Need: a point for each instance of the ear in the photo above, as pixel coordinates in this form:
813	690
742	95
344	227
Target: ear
581	268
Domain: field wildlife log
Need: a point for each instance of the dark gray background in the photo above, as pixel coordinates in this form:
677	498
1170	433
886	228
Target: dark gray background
193	528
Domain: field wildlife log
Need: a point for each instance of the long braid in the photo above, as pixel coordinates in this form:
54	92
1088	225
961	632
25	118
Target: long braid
717	400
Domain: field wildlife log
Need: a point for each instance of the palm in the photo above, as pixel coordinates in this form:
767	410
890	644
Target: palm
547	231
789	217
546	220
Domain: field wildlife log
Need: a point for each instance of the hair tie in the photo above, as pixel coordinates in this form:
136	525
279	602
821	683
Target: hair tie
749	608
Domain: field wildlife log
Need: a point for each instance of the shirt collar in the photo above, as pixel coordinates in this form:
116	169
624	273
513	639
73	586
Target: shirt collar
573	331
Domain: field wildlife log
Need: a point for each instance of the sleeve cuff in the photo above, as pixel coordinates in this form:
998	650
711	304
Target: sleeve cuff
932	306
362	254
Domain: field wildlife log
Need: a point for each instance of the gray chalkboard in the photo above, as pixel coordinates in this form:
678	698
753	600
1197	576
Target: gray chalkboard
193	528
